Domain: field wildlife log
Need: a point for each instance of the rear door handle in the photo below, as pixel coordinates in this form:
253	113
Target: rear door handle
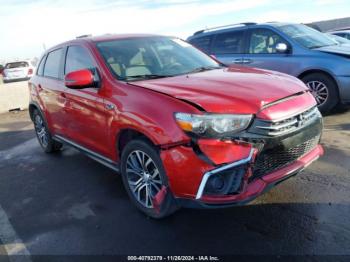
62	98
40	88
109	106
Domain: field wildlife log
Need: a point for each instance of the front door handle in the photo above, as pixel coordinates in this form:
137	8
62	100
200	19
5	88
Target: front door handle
247	61
238	61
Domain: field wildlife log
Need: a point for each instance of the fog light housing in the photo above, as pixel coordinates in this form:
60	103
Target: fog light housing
215	184
226	182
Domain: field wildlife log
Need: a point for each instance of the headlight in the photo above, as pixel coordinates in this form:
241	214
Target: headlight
212	125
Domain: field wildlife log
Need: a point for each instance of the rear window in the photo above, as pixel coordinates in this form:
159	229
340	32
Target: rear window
53	62
16	65
228	43
202	43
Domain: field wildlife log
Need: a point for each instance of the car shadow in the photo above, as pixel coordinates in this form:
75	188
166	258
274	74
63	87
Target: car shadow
66	203
339	110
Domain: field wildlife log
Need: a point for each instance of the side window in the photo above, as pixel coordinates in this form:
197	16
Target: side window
202	43
78	58
40	70
229	43
53	62
264	41
341	35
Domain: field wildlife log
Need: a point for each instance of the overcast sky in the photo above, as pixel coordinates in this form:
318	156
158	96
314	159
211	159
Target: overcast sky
26	26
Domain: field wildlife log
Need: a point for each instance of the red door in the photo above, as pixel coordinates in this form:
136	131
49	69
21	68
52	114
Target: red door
51	91
86	117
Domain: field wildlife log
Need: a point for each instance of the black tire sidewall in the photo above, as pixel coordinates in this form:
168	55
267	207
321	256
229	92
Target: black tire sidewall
333	96
168	205
52	145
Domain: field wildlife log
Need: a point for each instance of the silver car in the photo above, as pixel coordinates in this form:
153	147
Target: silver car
19	70
339	39
342	33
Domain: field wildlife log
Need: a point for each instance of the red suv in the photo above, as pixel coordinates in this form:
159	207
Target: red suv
180	127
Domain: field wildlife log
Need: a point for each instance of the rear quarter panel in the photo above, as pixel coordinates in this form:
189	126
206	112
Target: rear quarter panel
35	96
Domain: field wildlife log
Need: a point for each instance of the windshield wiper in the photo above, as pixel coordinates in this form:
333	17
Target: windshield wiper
203	68
145	76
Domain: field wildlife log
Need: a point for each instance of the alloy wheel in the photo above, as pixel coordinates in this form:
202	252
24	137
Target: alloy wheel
143	177
319	90
41	131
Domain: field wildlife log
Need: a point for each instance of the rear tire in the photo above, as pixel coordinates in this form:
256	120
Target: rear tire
144	177
324	89
43	134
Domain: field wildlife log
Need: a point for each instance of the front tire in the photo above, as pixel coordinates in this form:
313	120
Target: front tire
144	178
43	134
324	89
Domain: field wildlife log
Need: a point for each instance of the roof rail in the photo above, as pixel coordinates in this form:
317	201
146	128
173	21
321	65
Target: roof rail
83	36
223	26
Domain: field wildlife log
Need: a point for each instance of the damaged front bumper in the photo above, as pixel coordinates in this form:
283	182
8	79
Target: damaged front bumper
260	185
218	173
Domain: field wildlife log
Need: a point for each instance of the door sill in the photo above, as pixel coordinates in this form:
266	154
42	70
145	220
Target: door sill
99	158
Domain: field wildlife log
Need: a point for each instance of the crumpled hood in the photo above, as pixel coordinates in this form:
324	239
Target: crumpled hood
231	90
343	50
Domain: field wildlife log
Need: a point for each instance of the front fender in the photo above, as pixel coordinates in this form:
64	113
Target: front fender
332	64
150	113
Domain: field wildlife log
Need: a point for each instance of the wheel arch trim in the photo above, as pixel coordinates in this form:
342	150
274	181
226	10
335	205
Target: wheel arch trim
134	132
325	72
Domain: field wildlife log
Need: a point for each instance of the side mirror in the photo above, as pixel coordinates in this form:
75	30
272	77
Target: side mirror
282	48
79	79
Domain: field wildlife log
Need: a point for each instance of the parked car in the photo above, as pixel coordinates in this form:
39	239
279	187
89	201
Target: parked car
182	129
339	39
16	71
320	62
342	33
1	68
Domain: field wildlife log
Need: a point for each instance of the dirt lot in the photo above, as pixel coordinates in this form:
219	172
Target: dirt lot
69	204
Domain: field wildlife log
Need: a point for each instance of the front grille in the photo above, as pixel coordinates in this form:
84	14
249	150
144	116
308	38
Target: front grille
280	127
275	158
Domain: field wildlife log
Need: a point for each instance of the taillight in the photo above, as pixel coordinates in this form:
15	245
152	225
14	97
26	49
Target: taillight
30	71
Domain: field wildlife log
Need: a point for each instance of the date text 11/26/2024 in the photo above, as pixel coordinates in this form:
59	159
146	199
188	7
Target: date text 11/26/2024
173	258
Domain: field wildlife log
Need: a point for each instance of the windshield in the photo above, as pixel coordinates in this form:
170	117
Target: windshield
307	36
16	65
153	57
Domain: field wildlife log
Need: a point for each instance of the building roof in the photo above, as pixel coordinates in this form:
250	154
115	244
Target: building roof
332	25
